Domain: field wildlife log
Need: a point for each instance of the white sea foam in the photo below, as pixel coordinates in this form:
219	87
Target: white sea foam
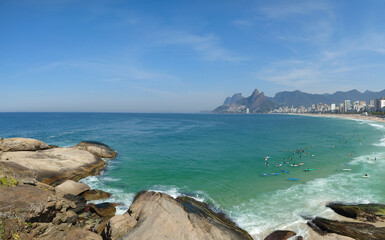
177	192
284	208
381	143
117	195
371	159
378	126
110	179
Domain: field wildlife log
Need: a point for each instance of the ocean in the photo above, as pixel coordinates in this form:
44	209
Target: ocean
240	164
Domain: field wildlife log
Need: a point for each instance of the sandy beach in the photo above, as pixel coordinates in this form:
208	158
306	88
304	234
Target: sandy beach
348	116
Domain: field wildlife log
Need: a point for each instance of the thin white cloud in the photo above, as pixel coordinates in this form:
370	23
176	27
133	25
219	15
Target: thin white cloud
293	77
107	71
242	23
208	46
284	9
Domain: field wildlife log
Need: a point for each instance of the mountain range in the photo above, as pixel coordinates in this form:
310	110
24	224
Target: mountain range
259	103
255	103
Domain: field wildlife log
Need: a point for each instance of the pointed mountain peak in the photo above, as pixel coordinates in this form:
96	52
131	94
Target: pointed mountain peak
255	93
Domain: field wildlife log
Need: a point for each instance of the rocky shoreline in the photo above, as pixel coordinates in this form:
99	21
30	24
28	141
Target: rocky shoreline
41	198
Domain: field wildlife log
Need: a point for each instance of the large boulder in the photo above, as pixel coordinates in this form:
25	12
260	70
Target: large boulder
32	203
65	231
365	212
22	144
72	187
119	225
97	148
27	203
80	202
53	166
103	209
355	230
160	216
280	235
95	194
81	234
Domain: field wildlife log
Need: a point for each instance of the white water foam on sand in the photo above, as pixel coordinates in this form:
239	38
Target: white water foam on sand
284	209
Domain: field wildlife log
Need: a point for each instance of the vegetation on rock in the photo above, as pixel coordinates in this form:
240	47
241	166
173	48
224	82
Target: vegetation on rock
8	181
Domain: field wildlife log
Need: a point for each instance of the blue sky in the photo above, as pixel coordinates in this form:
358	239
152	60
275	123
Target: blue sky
183	56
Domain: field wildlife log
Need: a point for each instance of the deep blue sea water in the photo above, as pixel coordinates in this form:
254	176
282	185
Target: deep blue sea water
220	159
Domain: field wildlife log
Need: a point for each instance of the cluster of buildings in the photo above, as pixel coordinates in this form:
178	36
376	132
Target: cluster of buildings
347	106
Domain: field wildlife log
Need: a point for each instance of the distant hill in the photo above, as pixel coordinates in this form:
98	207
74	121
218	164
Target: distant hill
259	103
298	98
256	103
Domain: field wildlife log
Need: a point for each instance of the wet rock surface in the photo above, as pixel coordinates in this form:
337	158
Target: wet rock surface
103	209
363	212
280	235
356	230
95	194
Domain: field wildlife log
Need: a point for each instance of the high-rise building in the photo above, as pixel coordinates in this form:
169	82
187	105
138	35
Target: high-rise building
379	105
333	107
348	105
356	105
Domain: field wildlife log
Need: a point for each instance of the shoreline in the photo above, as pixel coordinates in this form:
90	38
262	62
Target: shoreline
359	117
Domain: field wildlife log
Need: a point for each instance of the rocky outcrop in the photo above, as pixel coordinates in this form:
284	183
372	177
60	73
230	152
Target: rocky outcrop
12	169
363	212
160	216
28	203
30	158
21	144
65	231
52	166
32	209
95	194
280	235
79	234
103	209
71	187
118	226
80	202
97	148
40	212
355	230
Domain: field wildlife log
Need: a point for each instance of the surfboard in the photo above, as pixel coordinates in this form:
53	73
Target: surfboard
292	179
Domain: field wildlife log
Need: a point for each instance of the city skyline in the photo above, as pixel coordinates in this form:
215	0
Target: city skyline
151	56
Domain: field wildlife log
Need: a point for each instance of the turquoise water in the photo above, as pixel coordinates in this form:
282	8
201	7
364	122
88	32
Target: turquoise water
219	159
